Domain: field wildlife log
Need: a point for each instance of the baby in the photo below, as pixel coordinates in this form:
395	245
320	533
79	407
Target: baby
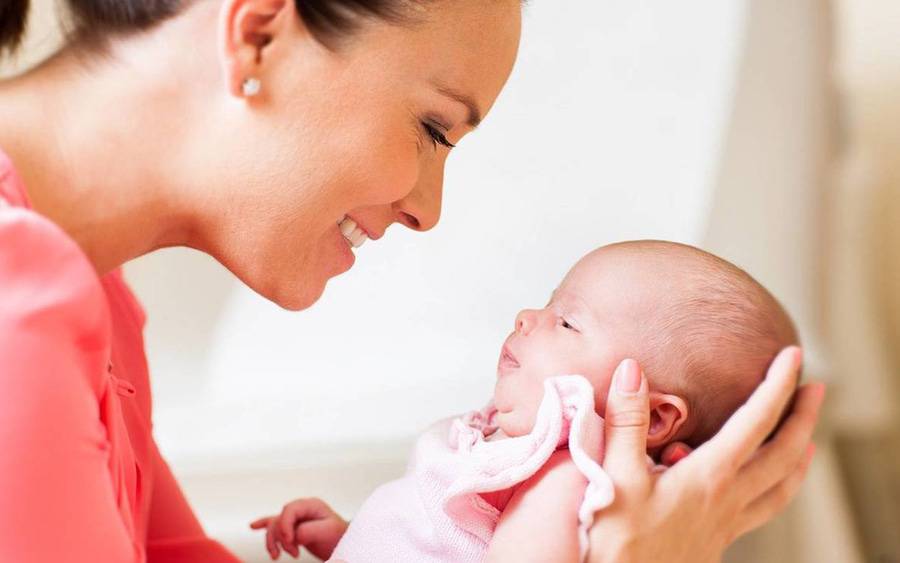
704	333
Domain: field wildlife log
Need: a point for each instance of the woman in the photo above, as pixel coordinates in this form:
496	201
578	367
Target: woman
271	135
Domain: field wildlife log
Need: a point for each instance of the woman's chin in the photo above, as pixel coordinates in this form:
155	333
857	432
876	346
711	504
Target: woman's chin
297	296
305	288
296	305
298	299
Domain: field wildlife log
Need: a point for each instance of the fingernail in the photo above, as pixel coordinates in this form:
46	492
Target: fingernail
628	378
798	355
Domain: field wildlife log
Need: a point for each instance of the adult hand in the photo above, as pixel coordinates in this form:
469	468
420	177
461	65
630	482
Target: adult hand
728	486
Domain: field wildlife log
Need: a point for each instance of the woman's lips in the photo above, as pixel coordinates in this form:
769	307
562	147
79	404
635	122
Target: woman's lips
347	258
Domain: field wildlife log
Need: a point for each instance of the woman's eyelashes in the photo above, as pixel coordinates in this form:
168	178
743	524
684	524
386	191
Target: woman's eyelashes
437	136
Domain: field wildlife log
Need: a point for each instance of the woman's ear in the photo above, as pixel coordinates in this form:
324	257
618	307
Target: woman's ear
667	414
245	29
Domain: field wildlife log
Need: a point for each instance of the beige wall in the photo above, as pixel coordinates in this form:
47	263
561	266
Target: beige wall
870	72
864	285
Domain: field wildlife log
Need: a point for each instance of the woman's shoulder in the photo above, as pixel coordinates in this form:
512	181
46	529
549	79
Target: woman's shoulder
51	300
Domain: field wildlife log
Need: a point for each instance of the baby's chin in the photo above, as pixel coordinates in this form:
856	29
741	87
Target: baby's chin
510	425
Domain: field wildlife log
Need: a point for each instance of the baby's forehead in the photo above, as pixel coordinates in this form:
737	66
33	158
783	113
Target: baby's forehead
631	280
606	287
642	264
607	268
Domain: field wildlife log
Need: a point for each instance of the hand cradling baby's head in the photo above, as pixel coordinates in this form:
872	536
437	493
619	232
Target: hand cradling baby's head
703	330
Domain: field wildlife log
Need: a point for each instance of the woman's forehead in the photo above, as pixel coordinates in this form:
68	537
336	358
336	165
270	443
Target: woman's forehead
449	50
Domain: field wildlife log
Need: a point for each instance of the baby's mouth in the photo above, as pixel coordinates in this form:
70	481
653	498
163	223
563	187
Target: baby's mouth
507	359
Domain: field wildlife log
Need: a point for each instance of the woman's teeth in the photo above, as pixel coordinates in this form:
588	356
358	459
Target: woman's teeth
354	236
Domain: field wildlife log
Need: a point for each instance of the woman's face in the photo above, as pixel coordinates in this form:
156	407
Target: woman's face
357	131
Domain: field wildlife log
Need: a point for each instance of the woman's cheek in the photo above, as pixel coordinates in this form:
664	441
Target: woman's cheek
394	172
388	165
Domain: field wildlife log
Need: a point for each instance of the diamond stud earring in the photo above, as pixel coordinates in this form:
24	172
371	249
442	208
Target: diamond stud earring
251	87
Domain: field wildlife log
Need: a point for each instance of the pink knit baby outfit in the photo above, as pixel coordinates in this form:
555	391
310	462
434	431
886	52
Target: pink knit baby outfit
434	513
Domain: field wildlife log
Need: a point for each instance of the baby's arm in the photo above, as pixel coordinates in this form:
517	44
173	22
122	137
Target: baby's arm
540	523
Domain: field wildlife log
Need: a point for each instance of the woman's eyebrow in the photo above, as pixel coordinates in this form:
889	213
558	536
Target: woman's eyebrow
475	114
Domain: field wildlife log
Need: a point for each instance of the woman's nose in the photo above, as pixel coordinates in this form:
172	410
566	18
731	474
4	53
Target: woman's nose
525	322
421	208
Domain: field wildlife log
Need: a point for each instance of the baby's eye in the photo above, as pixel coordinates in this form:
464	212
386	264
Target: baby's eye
566	325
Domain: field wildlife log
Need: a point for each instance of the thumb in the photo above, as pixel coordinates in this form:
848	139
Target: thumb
627	423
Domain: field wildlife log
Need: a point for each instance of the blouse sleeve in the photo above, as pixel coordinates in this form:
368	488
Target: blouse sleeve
175	535
57	501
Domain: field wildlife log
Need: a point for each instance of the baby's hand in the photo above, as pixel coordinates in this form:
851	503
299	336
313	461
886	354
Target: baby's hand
308	522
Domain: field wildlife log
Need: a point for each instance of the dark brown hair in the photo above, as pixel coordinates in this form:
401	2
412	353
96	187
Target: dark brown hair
99	19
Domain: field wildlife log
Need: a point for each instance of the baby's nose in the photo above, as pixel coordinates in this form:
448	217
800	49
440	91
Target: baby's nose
525	321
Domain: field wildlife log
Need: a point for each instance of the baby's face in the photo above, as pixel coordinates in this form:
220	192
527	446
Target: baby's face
585	329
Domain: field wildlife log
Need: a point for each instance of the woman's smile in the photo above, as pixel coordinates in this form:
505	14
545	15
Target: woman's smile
344	247
355	235
351	235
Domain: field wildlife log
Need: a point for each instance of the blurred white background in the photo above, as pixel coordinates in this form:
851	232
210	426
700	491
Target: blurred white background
714	123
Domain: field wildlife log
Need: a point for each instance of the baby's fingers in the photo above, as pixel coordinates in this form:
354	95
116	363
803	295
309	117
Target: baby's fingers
289	541
260	524
273	538
290	518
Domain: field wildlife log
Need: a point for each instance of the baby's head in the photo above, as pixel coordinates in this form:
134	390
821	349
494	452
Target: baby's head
702	329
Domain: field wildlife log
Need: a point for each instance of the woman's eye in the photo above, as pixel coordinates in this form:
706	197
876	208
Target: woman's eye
437	137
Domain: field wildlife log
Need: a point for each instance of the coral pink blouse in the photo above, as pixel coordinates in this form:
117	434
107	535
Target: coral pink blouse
81	478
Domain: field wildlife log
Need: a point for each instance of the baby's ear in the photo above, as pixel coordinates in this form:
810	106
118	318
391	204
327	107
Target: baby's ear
667	414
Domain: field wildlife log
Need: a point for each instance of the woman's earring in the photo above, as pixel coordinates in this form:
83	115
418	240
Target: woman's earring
251	87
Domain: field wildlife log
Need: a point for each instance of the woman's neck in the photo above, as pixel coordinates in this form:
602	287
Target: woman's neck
97	143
